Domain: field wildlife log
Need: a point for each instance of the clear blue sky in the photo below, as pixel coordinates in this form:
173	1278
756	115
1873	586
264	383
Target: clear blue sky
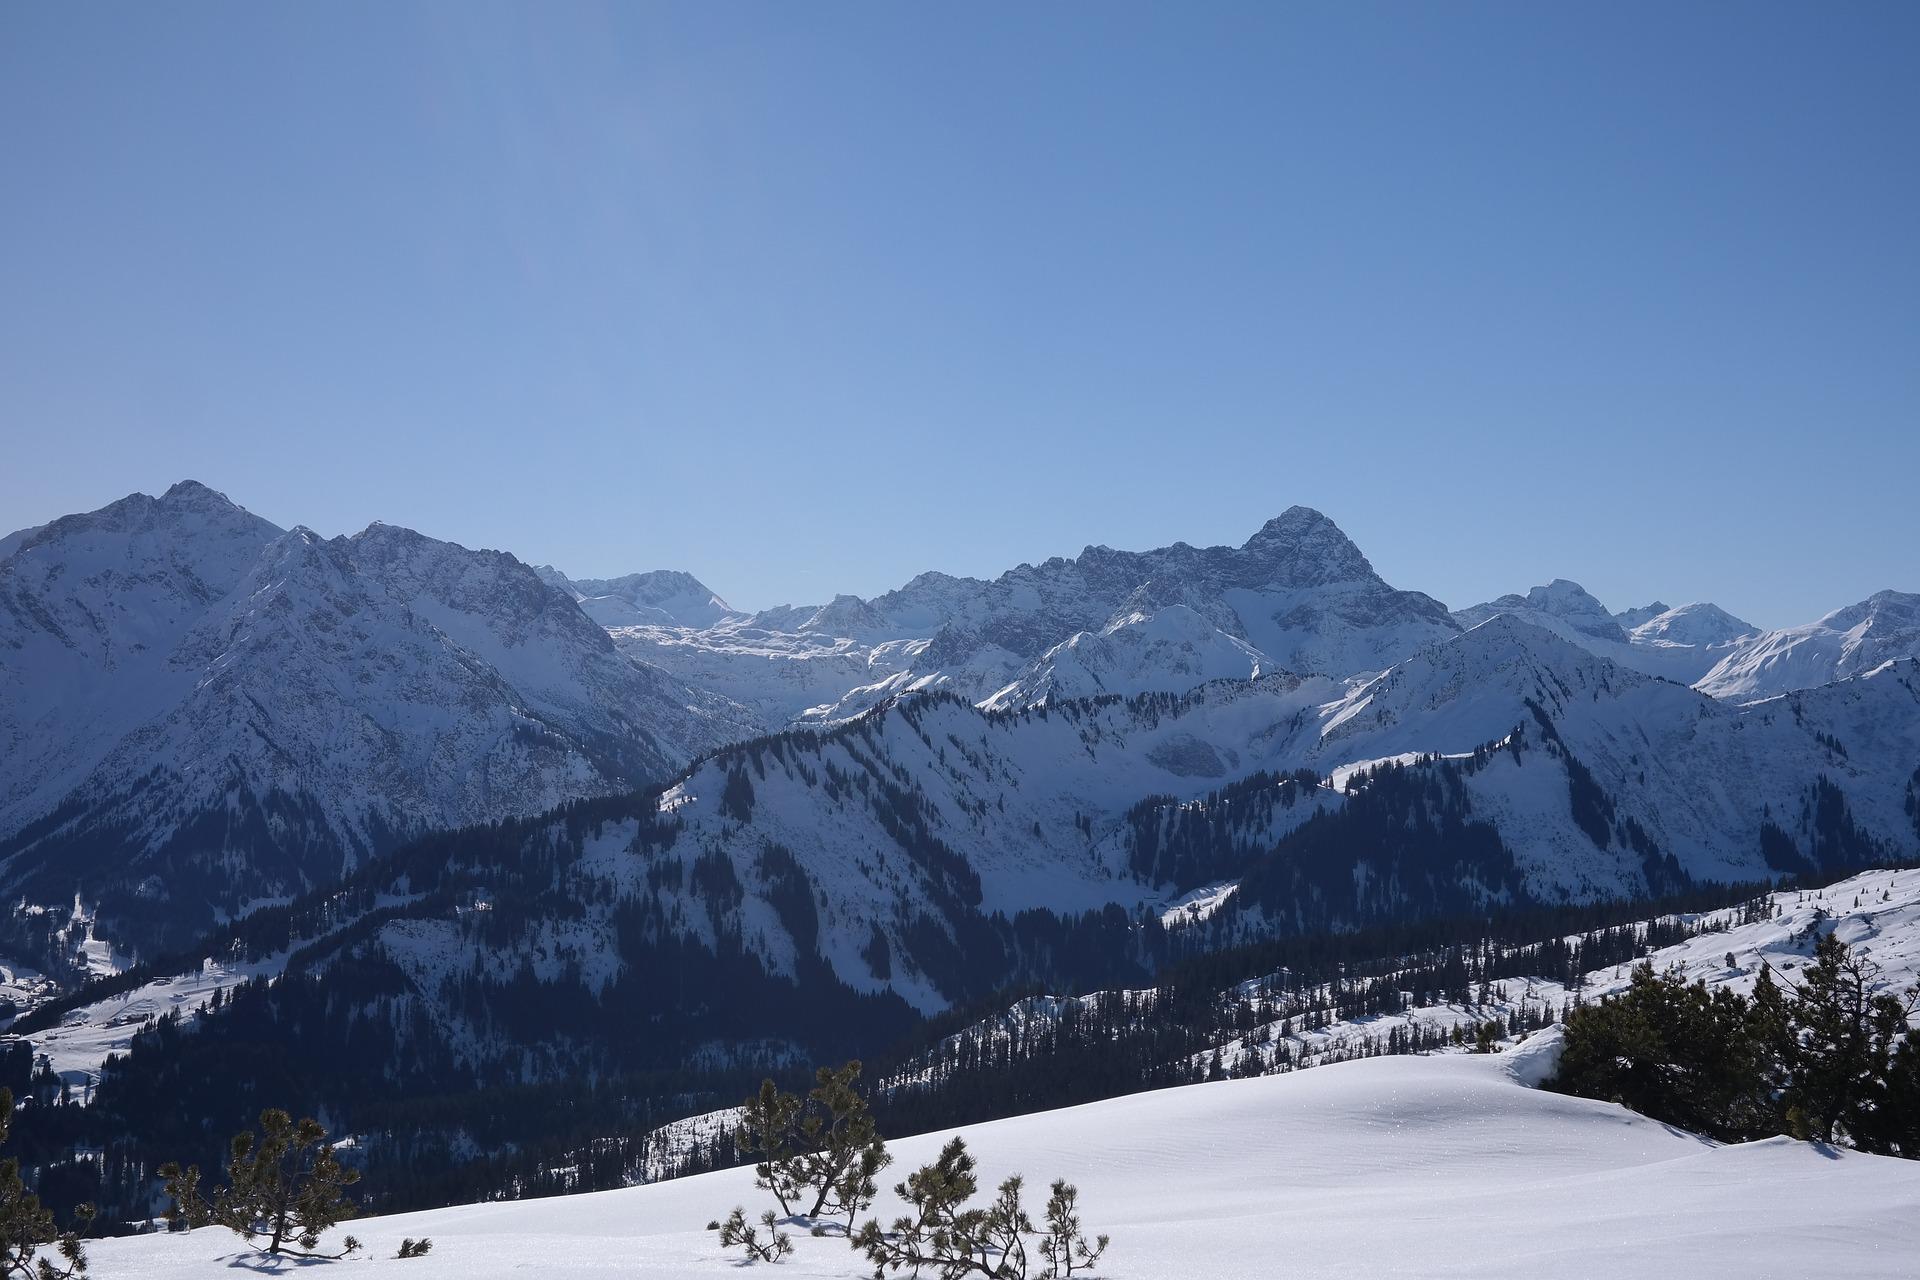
807	298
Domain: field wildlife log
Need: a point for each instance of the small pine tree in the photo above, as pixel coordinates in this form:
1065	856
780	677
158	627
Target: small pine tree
844	1149
26	1224
766	1131
1486	1037
1065	1247
945	1237
736	1231
411	1248
820	1154
285	1184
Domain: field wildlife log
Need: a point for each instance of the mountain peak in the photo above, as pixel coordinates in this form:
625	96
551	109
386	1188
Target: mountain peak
1308	549
1697	623
1563	600
1295	522
192	491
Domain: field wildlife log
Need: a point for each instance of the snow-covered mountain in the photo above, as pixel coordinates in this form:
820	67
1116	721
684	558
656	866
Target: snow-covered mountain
1680	644
198	709
1631	618
663	597
1700	625
930	853
1566	605
1173	648
1297	596
1847	642
1705	646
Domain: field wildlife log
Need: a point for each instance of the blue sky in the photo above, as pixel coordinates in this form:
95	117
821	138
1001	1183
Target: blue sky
809	298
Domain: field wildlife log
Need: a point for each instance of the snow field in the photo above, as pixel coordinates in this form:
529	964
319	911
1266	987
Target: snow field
1443	1166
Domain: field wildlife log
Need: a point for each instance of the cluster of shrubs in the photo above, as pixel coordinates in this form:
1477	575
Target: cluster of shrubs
1825	1056
820	1155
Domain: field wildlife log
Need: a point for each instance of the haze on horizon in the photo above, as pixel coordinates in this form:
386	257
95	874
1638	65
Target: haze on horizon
809	301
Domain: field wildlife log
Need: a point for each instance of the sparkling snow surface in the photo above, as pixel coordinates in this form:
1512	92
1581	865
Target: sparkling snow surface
1430	1167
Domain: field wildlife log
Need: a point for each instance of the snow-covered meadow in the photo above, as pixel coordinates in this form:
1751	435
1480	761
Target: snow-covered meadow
1432	1167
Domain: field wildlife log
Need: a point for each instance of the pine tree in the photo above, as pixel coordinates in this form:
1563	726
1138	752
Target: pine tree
1844	1042
766	1131
285	1184
1065	1247
822	1153
952	1241
844	1149
776	1245
1897	1118
939	1233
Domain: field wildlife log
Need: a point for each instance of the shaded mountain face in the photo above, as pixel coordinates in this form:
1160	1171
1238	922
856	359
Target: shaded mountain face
1847	642
200	710
1297	596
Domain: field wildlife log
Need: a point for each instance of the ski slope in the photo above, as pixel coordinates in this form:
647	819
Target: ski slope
1431	1167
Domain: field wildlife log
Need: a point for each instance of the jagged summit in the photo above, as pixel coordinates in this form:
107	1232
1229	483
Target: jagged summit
1302	547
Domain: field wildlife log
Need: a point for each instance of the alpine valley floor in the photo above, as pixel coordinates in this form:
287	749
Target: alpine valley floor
1450	1165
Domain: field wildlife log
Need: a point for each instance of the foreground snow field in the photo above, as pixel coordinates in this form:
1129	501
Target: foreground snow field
1437	1166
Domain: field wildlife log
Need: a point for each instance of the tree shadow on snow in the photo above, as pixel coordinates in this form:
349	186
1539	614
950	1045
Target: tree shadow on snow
269	1265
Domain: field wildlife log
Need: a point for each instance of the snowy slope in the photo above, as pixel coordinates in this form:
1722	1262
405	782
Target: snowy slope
778	672
197	709
1415	1167
1875	912
1847	642
1631	618
1697	777
1172	649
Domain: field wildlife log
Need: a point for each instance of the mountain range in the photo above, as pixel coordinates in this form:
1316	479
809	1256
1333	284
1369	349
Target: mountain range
202	712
